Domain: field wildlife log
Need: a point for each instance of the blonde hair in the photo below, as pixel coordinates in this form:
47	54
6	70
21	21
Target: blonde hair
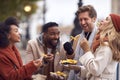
113	39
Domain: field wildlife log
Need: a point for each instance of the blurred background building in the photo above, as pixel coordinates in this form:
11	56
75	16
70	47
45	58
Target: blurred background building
34	13
115	6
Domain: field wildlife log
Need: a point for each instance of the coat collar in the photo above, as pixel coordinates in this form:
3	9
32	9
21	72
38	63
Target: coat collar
13	55
40	41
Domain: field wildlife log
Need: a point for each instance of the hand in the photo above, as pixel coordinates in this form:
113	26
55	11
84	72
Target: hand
70	56
48	58
37	63
57	77
72	67
85	45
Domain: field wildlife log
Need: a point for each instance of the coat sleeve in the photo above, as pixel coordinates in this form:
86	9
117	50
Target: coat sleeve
97	62
29	52
8	71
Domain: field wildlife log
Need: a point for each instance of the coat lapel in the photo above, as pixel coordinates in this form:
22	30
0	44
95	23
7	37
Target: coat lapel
18	56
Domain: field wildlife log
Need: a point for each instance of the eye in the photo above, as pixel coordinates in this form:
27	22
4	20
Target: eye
16	30
107	18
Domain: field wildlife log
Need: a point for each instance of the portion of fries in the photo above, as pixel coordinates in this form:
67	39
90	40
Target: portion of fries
68	61
58	73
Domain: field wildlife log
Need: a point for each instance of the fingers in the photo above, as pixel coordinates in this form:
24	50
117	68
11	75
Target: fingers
73	67
37	63
83	41
85	45
49	57
56	76
67	67
76	68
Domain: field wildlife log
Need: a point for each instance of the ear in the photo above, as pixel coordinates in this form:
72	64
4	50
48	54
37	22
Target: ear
93	19
45	35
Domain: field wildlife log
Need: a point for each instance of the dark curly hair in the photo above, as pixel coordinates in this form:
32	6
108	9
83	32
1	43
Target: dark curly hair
5	29
4	42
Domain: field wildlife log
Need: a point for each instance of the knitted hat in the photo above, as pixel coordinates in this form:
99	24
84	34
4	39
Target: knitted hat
116	21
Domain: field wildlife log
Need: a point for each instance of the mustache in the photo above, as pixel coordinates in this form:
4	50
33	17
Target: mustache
56	39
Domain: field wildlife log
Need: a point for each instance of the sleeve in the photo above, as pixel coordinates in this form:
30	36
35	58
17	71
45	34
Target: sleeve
83	72
32	53
97	62
8	71
29	53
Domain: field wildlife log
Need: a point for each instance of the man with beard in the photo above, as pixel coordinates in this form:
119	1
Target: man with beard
47	47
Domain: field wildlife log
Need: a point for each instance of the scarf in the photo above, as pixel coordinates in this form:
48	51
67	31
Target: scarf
97	41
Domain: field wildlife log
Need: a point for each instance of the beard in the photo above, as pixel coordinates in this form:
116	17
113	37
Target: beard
53	43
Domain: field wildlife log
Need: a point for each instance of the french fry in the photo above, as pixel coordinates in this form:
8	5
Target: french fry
42	56
72	38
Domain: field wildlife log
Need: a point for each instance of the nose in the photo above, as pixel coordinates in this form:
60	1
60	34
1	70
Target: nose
56	36
101	22
82	22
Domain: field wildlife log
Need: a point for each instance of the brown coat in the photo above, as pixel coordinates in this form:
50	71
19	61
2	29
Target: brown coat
11	66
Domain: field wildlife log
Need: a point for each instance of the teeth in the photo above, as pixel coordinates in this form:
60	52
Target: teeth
54	40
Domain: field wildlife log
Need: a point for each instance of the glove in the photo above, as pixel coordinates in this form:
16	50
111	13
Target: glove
85	45
68	48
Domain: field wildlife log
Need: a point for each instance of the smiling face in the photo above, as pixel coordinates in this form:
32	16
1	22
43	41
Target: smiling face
14	35
86	22
52	36
104	23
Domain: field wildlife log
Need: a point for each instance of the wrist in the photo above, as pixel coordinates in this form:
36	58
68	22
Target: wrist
70	56
87	50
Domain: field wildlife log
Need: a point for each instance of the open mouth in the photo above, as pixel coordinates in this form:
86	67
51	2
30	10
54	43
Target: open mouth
54	41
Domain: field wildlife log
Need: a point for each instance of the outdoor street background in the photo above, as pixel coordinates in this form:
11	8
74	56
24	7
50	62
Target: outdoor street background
34	13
